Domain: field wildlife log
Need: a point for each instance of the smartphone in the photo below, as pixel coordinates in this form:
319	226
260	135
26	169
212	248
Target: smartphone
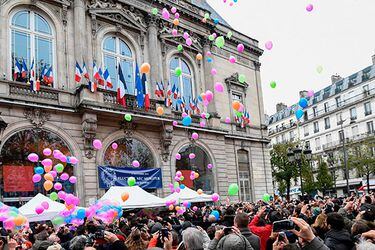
281	236
227	230
283	225
164	233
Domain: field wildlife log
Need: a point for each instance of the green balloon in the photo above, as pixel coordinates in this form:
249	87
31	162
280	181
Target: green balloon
242	78
182	178
128	117
238	114
178	71
58	220
53	196
180	48
176	185
273	84
154	11
233	189
208	115
131	181
266	197
220	42
211	37
229	34
59	168
207	15
12	214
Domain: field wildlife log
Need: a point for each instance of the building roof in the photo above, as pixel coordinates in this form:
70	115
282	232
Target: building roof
204	5
327	92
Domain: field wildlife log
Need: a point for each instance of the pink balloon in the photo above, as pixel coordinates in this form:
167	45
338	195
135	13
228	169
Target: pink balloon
64	176
309	7
179	174
240	48
178	190
195	136
33	157
215	197
135	163
114	145
73	179
63	158
232	59
242	107
219	87
189	42
269	45
173	10
45	205
184	115
203	115
53	173
209	95
47	162
37	178
185	203
191	156
174	32
165	14
178	156
205	103
97	144
214	35
210	166
195	208
310	93
61	195
177	15
57	186
47	151
177	178
56	153
208	53
174	123
73	160
202	124
227	120
39	209
213	72
186	35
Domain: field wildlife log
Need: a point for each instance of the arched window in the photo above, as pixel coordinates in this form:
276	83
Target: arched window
32	39
15	167
129	150
244	175
115	52
185	82
199	165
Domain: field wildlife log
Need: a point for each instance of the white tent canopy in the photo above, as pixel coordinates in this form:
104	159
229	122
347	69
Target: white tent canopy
188	194
138	198
28	210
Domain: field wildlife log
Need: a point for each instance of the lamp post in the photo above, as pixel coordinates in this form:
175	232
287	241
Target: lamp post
345	158
295	156
331	162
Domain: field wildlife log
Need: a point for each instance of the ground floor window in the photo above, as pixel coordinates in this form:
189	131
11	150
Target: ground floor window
244	175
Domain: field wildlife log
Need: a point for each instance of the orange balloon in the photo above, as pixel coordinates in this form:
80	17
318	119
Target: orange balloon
145	68
176	22
160	110
47	168
177	208
171	207
69	207
18	221
236	105
48	185
125	196
203	95
48	177
196	175
199	57
199	191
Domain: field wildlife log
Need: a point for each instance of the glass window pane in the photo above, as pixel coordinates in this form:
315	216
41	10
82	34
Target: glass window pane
22	19
174	63
43	53
127	70
185	67
110	63
124	49
110	44
41	25
188	93
20	46
175	82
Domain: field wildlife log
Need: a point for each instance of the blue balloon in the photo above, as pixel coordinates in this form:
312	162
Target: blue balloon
81	213
303	102
182	186
216	21
299	113
39	170
216	214
186	121
209	60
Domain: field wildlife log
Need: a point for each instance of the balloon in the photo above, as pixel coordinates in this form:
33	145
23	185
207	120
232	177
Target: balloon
97	144
269	45
131	181
39	210
303	102
61	195
184	114
64	176
186	121
176	22
229	34
73	160
154	11
182	186
240	48
73	179
48	185
178	71
145	68
199	191
273	84
59	168
37	178
220	42
125	196
202	124
47	151
48	177
299	114
177	15
33	157
160	110
173	10
209	95
191	156
232	60
227	120
199	57
58	220
210	166
194	136
114	145
174	32
53	173
213	72
165	14
319	69
219	87
53	196
63	158
241	78
207	15
189	42
180	48
266	197
233	189
216	214
178	156
215	197
128	117
310	93
309	7
171	207
174	123
57	186
236	105
135	164
19	220
45	205
195	208
81	213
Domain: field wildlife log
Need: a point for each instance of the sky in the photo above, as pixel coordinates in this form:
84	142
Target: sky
337	35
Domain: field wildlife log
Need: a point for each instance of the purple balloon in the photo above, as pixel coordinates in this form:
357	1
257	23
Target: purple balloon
53	173
97	144
210	166
39	209
240	48
309	7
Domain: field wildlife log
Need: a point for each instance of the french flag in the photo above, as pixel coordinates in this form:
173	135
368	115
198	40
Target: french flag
157	90
17	70
79	71
48	76
96	73
24	69
85	73
107	79
93	86
34	85
101	79
121	87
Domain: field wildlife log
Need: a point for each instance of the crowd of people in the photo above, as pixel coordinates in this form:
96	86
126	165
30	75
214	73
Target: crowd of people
309	224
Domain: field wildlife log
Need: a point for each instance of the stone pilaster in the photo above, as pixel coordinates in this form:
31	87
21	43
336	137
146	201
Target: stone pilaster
79	33
152	35
208	78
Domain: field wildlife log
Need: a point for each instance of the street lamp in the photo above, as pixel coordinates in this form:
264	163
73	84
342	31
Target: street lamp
295	156
345	158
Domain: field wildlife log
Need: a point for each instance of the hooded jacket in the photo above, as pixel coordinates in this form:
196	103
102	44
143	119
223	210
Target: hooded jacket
338	240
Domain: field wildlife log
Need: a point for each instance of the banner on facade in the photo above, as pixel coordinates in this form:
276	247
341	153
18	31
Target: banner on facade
18	178
118	176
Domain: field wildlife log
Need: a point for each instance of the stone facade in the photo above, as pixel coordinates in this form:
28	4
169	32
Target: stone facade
78	116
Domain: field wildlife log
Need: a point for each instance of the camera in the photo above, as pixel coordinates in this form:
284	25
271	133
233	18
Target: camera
99	234
283	225
281	236
227	230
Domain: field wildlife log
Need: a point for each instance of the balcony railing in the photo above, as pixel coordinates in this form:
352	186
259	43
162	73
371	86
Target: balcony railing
354	138
282	128
23	91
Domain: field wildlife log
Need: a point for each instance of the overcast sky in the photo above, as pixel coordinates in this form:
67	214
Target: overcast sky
338	35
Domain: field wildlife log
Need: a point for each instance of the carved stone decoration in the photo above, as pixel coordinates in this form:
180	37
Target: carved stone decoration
257	65
233	83
37	117
89	127
94	25
166	141
64	14
129	128
165	34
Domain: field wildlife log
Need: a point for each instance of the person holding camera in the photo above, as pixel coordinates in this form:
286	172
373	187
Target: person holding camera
229	238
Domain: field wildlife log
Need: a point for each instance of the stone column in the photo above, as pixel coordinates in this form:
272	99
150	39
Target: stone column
153	48
208	78
79	32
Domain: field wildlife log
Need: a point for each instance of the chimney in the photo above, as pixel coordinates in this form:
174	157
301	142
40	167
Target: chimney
280	106
335	78
303	94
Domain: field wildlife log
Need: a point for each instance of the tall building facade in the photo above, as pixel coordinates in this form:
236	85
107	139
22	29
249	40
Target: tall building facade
340	114
48	37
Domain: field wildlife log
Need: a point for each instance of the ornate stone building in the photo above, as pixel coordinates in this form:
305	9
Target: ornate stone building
67	116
